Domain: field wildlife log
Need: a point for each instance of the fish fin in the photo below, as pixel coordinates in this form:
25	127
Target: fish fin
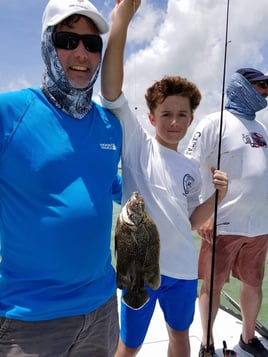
122	281
153	279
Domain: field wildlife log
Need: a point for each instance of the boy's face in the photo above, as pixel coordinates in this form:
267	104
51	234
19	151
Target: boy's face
171	120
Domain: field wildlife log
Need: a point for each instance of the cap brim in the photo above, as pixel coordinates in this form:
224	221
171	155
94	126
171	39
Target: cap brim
260	78
98	20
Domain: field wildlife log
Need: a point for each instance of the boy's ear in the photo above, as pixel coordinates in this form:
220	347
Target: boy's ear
151	118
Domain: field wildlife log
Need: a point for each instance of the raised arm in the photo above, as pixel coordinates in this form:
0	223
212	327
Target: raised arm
112	67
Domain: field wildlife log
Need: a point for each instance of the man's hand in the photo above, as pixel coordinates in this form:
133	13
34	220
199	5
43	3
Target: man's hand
206	230
220	181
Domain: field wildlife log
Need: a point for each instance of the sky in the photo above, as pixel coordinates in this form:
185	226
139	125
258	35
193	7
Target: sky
166	37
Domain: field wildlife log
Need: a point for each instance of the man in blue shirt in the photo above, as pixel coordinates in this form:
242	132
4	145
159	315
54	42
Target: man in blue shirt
59	154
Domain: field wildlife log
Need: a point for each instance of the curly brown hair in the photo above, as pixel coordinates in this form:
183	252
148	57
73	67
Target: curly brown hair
172	85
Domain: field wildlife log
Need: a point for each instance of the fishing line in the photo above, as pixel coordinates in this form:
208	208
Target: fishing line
216	197
135	90
135	70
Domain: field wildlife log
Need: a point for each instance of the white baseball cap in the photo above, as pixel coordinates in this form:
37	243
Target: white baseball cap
58	10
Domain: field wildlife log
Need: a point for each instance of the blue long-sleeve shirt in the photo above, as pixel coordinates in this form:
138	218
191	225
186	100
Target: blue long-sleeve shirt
58	177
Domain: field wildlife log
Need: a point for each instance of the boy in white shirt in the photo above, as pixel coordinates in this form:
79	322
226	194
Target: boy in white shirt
170	184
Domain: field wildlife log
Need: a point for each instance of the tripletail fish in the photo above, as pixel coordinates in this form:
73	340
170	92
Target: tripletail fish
137	248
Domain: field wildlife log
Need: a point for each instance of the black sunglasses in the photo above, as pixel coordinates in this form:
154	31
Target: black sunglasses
261	84
70	40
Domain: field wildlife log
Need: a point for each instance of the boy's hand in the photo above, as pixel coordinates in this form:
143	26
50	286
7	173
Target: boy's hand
124	10
220	180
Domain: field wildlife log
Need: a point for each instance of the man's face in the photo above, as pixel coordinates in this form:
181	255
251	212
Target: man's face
79	64
261	87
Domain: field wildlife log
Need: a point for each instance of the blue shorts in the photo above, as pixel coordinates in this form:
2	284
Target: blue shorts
177	300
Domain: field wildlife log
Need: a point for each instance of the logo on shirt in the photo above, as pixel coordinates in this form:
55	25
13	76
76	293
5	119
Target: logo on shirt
193	143
254	139
187	183
111	146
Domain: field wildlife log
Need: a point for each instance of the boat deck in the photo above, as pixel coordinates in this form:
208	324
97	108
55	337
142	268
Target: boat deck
226	327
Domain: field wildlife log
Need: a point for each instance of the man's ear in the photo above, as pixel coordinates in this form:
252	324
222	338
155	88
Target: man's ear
191	120
151	118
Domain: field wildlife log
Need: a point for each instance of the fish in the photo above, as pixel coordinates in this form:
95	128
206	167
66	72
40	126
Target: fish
137	251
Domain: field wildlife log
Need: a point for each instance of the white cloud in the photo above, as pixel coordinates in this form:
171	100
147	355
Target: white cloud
145	24
174	37
189	40
16	84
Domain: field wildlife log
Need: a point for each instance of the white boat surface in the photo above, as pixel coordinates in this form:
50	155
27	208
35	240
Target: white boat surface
227	328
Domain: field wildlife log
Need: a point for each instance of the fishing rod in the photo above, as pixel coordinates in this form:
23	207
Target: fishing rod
216	197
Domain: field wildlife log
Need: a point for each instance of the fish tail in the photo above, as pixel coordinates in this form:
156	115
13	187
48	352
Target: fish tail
136	300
